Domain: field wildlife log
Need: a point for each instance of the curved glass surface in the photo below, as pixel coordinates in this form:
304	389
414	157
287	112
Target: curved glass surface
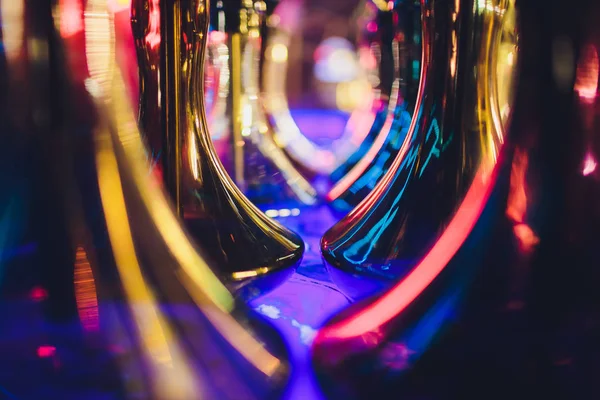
119	281
400	29
497	306
452	136
256	164
242	240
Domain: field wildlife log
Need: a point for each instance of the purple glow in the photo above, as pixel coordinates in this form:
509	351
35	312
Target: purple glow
299	306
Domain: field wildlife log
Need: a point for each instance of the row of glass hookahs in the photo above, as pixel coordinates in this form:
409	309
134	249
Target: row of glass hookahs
466	187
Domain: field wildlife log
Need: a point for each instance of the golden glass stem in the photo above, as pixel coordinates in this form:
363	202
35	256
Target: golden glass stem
171	328
257	164
243	242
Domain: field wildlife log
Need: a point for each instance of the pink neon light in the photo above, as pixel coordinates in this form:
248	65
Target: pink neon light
38	293
359	123
367	58
71	18
372	26
589	164
405	292
46	351
217	37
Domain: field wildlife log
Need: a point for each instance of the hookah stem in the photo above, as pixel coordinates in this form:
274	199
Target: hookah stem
170	76
236	88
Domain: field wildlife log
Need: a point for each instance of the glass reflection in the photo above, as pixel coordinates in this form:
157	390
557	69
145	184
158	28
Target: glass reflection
400	32
124	305
257	165
452	137
501	304
244	242
282	24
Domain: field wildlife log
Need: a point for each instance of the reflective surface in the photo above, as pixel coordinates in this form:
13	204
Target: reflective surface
279	29
505	304
117	272
145	29
452	136
399	40
238	237
541	343
379	58
257	165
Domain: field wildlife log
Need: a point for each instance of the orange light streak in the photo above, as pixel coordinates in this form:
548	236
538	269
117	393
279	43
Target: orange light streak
85	292
586	82
517	202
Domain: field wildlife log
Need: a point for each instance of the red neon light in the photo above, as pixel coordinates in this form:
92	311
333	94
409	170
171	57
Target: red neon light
405	292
